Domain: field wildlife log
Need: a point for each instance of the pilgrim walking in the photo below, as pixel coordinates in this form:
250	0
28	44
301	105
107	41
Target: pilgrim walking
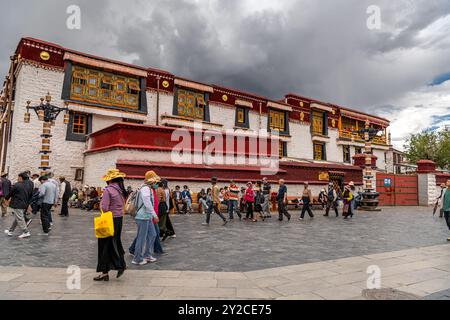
110	249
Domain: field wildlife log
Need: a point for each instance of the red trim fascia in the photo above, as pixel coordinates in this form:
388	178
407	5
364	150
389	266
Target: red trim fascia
175	178
155	148
192	166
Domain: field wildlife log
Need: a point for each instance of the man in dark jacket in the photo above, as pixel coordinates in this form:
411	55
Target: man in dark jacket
64	195
19	199
29	185
6	188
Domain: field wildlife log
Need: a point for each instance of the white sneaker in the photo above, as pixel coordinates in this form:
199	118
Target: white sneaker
25	235
51	223
8	233
151	259
144	262
173	236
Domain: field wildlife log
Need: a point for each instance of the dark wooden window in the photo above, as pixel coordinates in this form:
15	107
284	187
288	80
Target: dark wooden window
101	88
282	149
277	120
242	118
346	154
191	104
79	124
79	175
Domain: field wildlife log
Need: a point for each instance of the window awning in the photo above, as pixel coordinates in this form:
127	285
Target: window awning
363	117
243	103
193	85
321	107
279	106
104	65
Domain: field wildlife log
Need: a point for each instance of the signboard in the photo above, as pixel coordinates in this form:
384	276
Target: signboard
388	182
324	176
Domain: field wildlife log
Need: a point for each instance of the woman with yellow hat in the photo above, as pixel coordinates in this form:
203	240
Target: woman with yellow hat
110	250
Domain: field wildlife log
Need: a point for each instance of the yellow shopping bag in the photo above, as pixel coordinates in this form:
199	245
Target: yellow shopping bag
104	225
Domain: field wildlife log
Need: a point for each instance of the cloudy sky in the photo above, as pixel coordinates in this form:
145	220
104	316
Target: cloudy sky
317	48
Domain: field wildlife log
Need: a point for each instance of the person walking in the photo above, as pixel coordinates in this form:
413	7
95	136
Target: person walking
352	187
146	220
266	194
440	200
64	196
51	179
169	200
47	198
6	188
259	200
307	201
19	199
216	204
110	249
347	198
322	198
35	200
282	201
332	198
29	186
249	198
162	207
446	205
233	201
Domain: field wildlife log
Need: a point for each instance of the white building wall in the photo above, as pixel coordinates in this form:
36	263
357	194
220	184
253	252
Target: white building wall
333	153
300	145
381	163
23	150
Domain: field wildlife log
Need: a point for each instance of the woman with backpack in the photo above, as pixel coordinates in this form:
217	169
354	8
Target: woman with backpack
146	220
110	250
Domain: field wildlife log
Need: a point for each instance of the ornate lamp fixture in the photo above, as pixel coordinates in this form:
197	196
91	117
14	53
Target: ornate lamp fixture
47	113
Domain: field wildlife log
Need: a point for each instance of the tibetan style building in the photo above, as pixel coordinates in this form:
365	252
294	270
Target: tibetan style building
125	116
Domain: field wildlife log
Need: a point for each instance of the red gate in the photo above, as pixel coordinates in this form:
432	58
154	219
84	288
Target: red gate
397	190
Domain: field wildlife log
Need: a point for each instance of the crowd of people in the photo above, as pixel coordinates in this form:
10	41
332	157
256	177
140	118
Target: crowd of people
154	200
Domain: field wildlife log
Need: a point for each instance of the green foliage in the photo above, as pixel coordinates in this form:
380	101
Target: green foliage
429	145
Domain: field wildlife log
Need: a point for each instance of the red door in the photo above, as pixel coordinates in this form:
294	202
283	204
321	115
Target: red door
397	190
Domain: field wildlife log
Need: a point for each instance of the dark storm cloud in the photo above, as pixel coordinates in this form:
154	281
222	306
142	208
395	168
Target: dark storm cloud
321	49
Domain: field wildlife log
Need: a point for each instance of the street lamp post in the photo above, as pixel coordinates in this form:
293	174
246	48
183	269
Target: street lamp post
370	197
47	113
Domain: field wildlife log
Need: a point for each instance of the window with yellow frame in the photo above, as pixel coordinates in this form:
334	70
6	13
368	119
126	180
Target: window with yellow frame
240	115
319	151
277	120
282	149
104	88
318	123
191	104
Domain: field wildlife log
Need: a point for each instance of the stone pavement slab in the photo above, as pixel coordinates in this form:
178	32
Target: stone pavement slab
317	280
240	246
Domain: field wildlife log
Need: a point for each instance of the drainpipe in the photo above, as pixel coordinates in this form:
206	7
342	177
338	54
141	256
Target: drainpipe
158	78
260	115
10	87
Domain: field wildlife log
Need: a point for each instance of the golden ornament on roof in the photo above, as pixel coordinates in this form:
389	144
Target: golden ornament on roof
45	55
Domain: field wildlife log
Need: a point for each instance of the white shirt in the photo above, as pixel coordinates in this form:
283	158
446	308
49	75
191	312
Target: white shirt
62	189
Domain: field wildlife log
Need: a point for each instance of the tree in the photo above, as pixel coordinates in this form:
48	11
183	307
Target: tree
429	145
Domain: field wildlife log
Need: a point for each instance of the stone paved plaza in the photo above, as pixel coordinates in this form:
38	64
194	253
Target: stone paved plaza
323	258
